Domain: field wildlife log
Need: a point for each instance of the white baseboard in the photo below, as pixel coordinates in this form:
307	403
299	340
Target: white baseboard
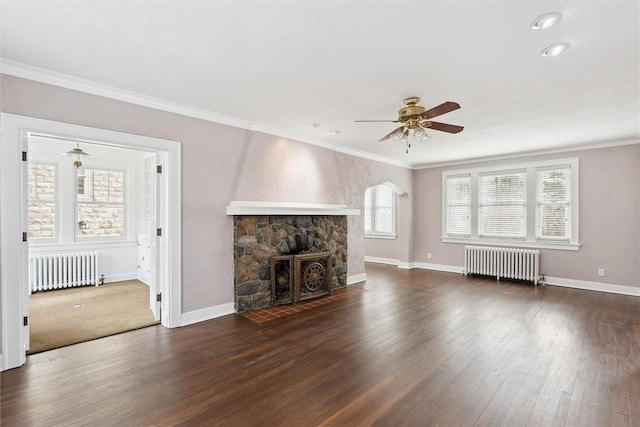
592	286
552	281
1	363
356	278
208	313
109	278
439	267
390	261
412	265
406	265
379	260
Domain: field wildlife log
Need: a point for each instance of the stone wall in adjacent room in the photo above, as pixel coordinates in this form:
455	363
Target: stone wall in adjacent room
258	238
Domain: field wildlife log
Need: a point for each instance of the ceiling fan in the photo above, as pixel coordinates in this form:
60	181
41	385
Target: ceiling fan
416	120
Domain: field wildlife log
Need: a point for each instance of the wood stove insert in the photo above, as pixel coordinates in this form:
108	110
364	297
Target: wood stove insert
296	278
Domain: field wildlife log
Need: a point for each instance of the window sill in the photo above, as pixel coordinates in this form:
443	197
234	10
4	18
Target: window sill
561	246
380	236
41	246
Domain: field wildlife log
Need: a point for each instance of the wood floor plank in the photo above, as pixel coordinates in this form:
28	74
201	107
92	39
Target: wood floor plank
414	347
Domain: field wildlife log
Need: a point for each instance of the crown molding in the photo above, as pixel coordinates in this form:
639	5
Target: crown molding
66	81
568	149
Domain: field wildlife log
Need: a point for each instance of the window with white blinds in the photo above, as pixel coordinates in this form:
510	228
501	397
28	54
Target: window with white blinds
379	211
458	199
553	203
533	203
502	204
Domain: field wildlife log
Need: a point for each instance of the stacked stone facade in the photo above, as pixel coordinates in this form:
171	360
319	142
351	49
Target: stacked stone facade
259	238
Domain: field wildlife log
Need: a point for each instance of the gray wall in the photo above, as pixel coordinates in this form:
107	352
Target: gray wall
220	164
609	218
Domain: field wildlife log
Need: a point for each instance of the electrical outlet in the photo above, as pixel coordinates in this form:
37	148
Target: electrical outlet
601	272
428	255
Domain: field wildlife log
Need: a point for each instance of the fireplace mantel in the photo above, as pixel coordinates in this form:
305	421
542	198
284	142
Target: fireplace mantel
285	208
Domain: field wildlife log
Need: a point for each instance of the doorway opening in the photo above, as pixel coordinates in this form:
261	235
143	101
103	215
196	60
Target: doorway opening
17	132
92	212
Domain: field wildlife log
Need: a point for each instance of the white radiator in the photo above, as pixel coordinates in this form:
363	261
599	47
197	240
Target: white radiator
508	263
66	270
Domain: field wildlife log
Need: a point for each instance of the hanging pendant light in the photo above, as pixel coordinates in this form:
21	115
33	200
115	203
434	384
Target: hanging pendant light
76	153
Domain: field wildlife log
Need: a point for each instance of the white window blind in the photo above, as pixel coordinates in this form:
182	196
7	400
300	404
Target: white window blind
384	209
553	204
379	211
367	210
532	204
502	200
458	194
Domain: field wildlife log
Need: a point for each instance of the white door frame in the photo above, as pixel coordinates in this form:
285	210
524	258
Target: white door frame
14	252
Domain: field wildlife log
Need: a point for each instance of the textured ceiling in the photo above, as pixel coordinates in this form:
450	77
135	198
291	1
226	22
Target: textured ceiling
280	66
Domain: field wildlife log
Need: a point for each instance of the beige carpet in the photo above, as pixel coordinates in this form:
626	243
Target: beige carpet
69	316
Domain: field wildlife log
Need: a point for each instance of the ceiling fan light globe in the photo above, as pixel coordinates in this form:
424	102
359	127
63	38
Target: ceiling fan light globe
419	133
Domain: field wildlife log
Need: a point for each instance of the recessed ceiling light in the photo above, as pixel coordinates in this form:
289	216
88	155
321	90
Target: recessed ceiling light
545	21
335	132
554	49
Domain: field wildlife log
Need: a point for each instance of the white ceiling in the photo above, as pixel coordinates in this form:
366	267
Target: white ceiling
279	66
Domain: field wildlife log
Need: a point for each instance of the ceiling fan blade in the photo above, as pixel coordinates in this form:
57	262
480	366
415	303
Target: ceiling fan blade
445	127
392	133
371	121
445	107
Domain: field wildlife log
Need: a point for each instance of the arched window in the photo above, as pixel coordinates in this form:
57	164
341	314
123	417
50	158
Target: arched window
379	212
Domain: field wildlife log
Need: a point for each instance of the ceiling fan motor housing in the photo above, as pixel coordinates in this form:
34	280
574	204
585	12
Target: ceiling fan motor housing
410	110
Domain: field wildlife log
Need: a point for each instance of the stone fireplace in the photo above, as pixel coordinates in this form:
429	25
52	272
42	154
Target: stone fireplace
285	255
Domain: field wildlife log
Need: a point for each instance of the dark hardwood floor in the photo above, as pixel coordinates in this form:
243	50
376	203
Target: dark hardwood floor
414	348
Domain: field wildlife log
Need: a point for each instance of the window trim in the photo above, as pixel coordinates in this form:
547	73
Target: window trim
376	234
531	240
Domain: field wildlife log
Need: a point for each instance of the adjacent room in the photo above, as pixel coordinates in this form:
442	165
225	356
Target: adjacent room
320	213
91	258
